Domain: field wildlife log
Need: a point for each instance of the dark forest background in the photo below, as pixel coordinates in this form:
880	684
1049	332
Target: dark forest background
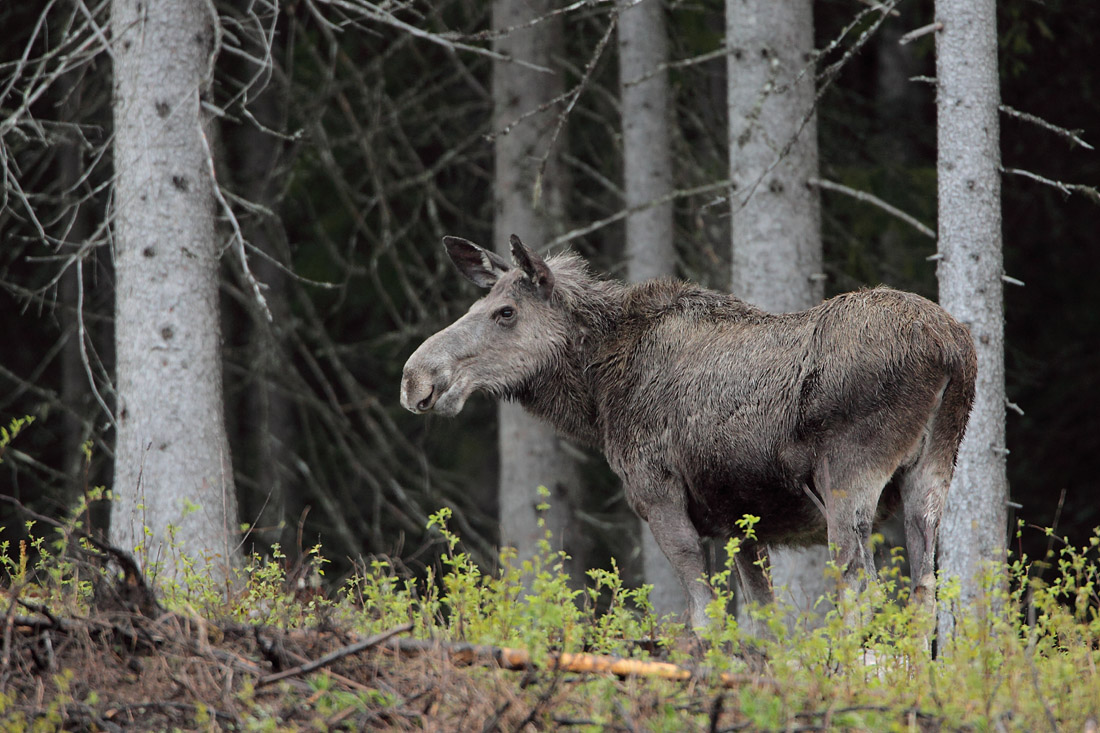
367	144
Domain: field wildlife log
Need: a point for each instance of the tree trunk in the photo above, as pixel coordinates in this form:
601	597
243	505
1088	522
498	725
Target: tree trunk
647	176
973	528
531	453
776	226
173	484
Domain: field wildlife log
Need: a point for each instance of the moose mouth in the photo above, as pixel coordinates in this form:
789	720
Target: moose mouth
445	399
450	400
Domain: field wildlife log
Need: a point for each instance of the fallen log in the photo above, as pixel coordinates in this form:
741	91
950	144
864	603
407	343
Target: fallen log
464	653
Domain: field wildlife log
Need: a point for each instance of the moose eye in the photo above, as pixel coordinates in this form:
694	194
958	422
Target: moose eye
506	313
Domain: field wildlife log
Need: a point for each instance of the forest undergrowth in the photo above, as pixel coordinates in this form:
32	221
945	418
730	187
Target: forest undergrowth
89	643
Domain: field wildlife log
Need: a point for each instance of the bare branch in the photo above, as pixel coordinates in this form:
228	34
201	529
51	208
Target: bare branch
876	201
237	240
924	30
373	12
681	64
492	34
1089	192
574	95
1072	135
83	350
623	213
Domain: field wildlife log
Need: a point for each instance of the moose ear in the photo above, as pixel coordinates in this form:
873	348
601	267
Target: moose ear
537	270
477	264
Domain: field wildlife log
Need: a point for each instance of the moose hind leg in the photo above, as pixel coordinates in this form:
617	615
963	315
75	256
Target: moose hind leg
750	564
754	582
851	499
924	488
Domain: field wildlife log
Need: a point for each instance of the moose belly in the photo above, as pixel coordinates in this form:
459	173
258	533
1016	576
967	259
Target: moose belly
717	500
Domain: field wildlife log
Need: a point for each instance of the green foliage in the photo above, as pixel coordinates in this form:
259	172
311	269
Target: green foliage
9	433
42	567
1025	652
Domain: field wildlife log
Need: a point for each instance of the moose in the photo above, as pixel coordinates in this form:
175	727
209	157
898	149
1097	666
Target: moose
708	408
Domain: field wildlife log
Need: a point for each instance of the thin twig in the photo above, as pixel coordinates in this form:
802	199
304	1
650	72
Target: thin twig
814	498
1035	683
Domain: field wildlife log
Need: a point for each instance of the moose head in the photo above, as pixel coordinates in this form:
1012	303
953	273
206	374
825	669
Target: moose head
505	338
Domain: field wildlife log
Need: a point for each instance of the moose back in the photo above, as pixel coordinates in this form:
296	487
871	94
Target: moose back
709	408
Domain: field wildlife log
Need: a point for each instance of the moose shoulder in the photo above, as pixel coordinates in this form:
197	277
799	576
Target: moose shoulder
709	408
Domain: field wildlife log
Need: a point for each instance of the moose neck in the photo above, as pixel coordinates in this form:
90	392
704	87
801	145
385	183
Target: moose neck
563	392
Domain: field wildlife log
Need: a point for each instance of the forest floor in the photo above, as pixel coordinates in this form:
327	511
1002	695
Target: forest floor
114	671
87	644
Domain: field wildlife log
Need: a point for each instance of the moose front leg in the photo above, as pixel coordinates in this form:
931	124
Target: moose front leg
680	541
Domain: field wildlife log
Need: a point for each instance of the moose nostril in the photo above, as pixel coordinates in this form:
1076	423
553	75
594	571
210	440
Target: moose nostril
426	403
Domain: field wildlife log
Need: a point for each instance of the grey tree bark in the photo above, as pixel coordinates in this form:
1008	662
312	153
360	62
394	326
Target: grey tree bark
647	176
173	485
531	454
973	528
776	219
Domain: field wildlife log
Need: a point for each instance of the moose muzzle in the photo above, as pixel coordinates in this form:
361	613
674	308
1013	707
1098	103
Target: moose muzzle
419	392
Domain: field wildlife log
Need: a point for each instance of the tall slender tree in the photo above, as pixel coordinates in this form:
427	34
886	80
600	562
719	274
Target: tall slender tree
530	203
970	274
776	215
647	176
173	480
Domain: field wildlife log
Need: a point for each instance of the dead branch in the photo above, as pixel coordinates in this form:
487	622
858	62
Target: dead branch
492	34
1089	192
334	656
1074	136
924	30
237	241
876	201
